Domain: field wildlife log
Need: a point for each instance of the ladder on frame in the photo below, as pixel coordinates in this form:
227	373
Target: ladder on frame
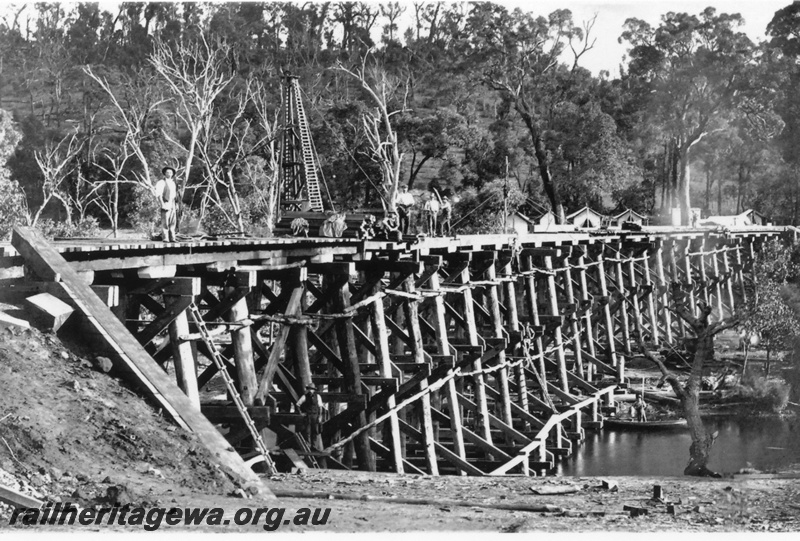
307	150
194	312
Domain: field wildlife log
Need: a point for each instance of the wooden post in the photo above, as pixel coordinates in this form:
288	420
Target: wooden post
557	338
573	318
717	285
497	327
623	309
673	265
411	311
728	281
533	312
687	269
588	324
182	351
352	372
478	379
242	339
637	309
443	348
703	273
740	273
383	359
509	289
609	321
651	309
666	315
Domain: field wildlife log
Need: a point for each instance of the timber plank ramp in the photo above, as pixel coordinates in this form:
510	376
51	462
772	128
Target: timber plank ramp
465	355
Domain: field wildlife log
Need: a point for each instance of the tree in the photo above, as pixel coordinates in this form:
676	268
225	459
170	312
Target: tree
521	56
112	162
696	68
57	162
767	313
382	89
481	212
392	11
688	393
12	199
135	109
427	137
196	73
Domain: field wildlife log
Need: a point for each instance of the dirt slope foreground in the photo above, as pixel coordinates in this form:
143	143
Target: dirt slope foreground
69	432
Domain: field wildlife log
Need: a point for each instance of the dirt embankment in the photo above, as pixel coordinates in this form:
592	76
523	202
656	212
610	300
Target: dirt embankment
69	431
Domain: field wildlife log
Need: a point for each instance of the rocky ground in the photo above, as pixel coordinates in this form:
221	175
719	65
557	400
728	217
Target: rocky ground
71	432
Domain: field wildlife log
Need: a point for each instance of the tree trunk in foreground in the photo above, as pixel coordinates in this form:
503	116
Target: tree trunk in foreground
689	394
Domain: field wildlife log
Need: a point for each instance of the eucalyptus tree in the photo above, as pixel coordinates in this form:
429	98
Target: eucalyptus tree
519	56
697	70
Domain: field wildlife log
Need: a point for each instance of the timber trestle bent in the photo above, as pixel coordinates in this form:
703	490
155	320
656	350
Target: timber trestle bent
470	355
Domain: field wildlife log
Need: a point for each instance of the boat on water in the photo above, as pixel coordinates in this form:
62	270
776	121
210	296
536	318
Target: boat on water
657	424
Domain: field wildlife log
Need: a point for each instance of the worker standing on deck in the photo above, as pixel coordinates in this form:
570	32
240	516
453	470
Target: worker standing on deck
166	192
311	406
447	214
431	214
405	208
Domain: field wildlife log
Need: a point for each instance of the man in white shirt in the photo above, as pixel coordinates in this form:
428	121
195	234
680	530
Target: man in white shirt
431	210
405	206
166	195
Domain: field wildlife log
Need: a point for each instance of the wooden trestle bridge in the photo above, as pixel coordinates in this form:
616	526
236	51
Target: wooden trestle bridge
476	355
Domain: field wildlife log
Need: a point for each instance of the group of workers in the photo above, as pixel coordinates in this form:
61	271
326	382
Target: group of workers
437	212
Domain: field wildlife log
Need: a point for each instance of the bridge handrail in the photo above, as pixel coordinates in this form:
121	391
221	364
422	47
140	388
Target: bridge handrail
540	438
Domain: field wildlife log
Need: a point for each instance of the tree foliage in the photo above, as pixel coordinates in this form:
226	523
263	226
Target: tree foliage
698	116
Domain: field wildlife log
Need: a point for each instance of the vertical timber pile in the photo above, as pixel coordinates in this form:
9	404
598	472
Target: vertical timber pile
183	354
352	371
443	348
241	337
383	357
411	313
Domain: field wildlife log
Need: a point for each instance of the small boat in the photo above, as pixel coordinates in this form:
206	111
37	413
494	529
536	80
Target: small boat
658	424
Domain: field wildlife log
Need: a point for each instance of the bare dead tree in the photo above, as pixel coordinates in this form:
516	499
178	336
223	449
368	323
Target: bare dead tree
56	162
135	100
226	141
377	123
196	72
263	169
107	190
689	393
81	194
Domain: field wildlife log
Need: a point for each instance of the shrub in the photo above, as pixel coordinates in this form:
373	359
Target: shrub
255	217
216	223
12	206
766	394
87	227
142	211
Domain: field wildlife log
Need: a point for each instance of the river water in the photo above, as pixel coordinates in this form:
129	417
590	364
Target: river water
763	443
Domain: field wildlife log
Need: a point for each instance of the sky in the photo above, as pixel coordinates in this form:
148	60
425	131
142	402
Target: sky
608	52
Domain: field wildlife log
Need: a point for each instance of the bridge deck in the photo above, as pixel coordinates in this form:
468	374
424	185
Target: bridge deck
114	254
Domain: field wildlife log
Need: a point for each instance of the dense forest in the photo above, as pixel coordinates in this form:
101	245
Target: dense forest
472	99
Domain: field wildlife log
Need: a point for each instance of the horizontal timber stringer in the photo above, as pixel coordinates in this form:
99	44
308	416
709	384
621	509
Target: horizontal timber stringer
470	355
